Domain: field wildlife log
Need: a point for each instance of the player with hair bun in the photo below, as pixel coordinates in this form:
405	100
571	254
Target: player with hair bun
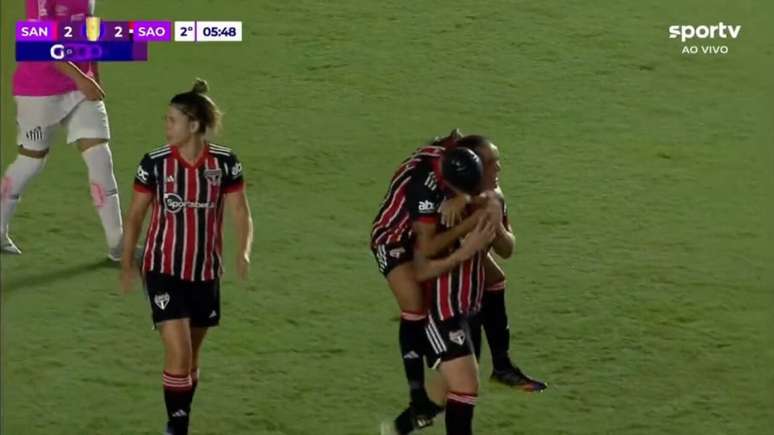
187	182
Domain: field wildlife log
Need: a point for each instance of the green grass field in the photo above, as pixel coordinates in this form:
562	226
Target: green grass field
639	181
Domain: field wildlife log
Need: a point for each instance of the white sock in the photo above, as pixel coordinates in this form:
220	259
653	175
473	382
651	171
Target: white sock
104	191
15	179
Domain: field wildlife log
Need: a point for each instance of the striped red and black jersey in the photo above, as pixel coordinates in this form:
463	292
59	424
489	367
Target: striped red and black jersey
393	221
458	291
184	237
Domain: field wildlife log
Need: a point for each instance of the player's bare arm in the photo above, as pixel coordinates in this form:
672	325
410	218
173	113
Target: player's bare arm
430	243
86	84
478	239
236	203
132	227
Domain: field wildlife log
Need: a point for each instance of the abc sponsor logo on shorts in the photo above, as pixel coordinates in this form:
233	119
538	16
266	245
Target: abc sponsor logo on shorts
708	33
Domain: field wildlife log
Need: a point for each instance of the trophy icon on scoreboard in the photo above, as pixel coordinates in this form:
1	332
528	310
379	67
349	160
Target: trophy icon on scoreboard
93	28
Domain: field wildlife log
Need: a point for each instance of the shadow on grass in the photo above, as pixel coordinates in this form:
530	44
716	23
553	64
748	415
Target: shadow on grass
49	277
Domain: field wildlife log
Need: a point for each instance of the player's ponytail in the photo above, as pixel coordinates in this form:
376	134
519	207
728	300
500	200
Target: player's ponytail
200	86
198	106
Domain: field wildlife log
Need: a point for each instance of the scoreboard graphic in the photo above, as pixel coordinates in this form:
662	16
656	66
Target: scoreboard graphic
94	39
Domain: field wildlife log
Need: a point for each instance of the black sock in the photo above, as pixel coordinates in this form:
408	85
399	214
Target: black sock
194	382
459	414
498	335
412	344
177	397
404	423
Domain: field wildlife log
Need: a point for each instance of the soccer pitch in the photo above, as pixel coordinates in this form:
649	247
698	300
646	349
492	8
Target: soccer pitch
639	183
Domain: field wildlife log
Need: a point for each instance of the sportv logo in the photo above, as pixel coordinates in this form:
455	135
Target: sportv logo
714	31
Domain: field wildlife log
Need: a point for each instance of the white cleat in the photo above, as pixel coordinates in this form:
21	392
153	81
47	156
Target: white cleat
8	246
388	428
114	254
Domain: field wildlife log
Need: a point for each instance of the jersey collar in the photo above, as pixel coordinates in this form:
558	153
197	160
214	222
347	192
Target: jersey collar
199	162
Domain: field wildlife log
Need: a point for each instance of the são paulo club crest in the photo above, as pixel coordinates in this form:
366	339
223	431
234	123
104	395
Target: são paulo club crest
457	337
213	176
161	300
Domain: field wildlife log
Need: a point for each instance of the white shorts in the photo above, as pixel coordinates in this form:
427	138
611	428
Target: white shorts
38	118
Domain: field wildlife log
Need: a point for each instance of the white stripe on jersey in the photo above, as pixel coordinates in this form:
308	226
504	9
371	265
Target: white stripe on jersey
461	284
397	212
220	148
160	151
207	257
166	224
449	293
185	225
174	231
430	181
220	153
196	231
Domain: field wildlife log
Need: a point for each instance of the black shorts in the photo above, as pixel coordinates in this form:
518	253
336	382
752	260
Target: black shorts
173	298
453	338
390	256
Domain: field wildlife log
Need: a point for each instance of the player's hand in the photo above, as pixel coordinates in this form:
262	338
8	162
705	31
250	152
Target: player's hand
128	278
479	238
451	210
242	266
90	88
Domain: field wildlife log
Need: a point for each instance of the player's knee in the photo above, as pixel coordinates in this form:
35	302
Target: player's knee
462	375
179	359
33	154
98	156
475	383
87	144
31	166
467	383
413	316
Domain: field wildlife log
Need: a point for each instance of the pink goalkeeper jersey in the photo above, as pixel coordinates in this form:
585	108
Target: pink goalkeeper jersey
39	79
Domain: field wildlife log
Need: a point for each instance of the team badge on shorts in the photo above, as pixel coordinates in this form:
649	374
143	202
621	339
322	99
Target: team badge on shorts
457	337
161	300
